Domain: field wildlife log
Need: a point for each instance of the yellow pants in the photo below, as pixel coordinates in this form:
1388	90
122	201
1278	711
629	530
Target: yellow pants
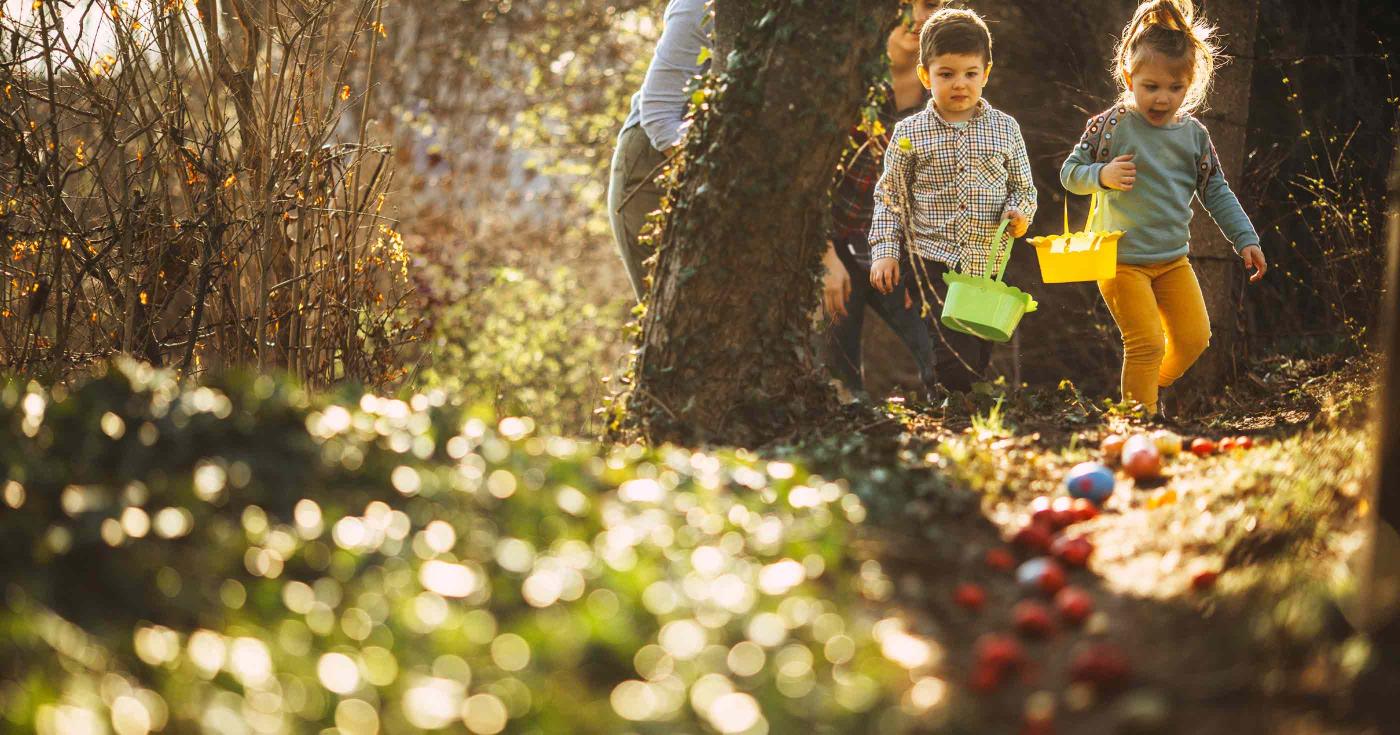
1162	315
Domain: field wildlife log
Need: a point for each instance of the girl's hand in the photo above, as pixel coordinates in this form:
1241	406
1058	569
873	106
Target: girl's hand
1120	173
884	274
1254	258
1019	223
836	285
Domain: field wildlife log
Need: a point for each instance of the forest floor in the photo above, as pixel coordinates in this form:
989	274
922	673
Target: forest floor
1215	588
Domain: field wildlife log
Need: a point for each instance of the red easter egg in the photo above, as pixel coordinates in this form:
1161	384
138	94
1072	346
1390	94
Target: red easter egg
985	678
1084	510
1142	463
1204	580
1000	559
1033	537
999	651
1244	442
1102	665
1072	551
969	596
1202	447
1032	619
1074	605
1062	512
1227	444
1053	579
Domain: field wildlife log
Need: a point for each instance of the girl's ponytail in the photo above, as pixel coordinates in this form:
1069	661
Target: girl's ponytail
1169	28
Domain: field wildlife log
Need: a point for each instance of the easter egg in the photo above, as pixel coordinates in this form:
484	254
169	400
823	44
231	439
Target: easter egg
969	596
1084	510
1074	605
1168	442
1204	580
1112	447
1244	442
1062	512
999	652
1041	575
1227	444
1000	559
1100	664
1032	619
1141	459
1091	481
1072	551
986	678
1041	512
1202	447
1033	537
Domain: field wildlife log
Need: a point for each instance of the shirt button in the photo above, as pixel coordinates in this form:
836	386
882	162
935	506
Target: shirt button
962	206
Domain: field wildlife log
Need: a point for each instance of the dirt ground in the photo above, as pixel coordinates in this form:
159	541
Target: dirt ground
1219	588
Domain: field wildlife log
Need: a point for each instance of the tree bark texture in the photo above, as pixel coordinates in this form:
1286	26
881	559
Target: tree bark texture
1380	592
1217	266
725	348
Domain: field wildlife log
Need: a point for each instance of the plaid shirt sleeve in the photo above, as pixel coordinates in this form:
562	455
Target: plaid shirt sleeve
1021	193
887	230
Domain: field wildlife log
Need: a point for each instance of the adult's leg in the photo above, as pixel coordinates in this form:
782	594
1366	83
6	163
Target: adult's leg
1131	300
907	324
1184	319
960	359
843	336
632	195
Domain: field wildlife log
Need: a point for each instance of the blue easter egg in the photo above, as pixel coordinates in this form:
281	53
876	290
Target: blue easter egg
1031	570
1091	481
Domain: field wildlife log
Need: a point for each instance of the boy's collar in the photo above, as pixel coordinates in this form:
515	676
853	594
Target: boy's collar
982	107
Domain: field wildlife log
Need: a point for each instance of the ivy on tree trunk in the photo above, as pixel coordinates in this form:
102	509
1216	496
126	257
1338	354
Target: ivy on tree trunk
725	353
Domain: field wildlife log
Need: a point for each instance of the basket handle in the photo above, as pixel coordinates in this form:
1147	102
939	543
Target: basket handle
996	253
1088	221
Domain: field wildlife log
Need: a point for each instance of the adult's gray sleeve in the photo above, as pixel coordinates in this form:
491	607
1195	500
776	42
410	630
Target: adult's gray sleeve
664	99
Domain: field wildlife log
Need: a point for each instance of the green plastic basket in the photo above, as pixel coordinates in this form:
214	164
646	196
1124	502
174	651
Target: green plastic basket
983	306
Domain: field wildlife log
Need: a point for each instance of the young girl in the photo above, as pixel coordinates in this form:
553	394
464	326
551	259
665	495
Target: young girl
1150	157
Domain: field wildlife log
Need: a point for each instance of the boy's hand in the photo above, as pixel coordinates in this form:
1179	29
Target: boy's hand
1019	223
884	274
1120	173
1254	258
836	285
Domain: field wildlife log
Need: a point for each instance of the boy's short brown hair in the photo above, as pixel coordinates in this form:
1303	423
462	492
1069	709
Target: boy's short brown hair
954	31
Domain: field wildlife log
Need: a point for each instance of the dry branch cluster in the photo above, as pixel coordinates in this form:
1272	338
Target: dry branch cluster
191	182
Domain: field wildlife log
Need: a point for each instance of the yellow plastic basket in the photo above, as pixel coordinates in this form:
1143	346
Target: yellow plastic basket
1078	256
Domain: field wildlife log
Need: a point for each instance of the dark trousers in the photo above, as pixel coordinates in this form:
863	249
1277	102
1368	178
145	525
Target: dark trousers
843	337
960	359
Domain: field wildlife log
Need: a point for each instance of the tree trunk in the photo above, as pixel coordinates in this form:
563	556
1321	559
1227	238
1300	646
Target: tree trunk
725	348
1380	588
1217	265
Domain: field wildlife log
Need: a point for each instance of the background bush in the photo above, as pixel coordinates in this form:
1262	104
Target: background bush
193	558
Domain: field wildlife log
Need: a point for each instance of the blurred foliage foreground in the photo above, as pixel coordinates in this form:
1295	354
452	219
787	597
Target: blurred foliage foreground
243	557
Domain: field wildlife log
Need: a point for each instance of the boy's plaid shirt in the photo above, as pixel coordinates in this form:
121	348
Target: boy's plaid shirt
961	180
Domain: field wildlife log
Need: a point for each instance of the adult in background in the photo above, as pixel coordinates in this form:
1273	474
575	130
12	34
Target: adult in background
654	125
846	290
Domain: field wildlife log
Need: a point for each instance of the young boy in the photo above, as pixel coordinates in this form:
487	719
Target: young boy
953	172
